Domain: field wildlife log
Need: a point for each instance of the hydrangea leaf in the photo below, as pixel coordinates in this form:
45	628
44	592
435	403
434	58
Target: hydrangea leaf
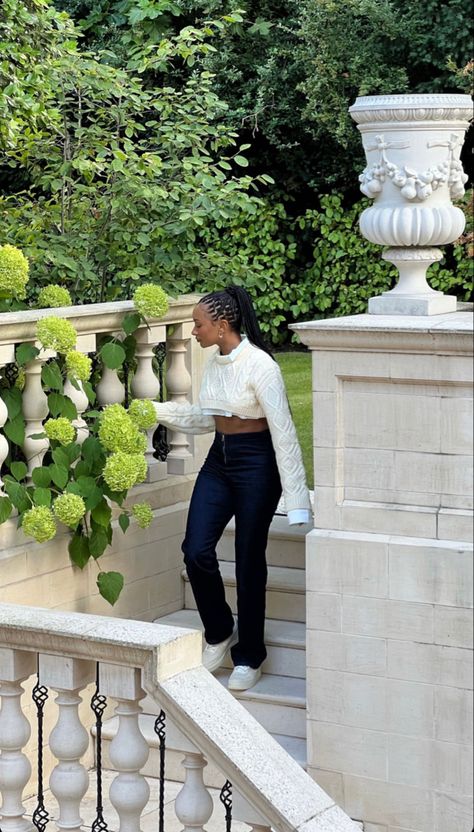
110	585
59	475
51	377
124	522
41	477
19	470
6	509
113	355
102	513
25	353
131	322
79	550
98	542
12	399
14	429
42	497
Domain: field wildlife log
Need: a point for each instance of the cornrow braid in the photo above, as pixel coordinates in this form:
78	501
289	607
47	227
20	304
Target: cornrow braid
234	305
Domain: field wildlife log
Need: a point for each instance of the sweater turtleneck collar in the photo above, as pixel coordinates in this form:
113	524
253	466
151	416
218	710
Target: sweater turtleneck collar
231	356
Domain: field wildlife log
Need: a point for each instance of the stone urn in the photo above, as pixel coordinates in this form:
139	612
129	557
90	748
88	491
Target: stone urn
412	145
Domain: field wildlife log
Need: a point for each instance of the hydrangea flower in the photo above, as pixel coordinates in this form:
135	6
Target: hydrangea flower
14	268
20	380
78	365
39	523
61	429
56	334
54	295
118	432
69	509
143	413
121	471
150	300
143	514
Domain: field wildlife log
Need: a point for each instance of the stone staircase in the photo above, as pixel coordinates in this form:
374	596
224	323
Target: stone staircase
278	700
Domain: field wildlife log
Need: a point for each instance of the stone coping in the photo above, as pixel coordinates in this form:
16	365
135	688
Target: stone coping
90	318
159	649
449	333
271	781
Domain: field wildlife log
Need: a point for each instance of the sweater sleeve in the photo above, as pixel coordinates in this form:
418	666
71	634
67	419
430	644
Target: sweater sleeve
270	391
184	417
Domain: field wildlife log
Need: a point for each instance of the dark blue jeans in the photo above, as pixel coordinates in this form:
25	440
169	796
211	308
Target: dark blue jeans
239	477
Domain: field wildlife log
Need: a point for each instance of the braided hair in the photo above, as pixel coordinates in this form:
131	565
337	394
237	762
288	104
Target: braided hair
234	305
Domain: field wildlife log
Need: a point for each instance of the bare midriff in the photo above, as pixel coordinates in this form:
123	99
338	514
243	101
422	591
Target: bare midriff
234	424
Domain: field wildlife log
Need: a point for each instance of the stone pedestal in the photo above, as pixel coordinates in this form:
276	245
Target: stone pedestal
389	569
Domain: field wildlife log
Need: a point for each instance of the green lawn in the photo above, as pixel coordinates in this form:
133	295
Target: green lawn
296	369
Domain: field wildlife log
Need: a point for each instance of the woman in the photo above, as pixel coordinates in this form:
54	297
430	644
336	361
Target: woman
254	455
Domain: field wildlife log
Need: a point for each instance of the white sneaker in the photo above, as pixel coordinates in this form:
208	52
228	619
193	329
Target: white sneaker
214	654
244	677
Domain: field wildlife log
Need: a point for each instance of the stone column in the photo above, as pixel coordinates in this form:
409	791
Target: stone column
389	569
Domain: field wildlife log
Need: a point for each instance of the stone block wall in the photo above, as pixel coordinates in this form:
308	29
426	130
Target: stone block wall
389	570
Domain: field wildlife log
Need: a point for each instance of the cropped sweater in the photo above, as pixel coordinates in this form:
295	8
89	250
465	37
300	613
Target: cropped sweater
247	383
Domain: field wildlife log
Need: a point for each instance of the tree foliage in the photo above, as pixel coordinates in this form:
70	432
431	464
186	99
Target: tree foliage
121	177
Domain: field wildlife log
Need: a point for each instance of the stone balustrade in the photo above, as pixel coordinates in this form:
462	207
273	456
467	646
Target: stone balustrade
128	659
91	322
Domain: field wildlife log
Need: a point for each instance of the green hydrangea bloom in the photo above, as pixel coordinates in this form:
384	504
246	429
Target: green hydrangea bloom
39	523
143	514
56	334
143	413
20	380
78	365
14	269
61	429
69	509
122	471
150	300
118	432
54	295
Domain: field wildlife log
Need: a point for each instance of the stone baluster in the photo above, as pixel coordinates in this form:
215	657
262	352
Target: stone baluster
15	769
193	805
69	739
178	385
35	410
145	385
3	442
129	792
85	344
110	389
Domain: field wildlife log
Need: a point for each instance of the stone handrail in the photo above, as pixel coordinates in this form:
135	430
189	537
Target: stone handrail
134	657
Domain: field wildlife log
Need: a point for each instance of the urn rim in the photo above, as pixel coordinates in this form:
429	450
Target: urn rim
412	101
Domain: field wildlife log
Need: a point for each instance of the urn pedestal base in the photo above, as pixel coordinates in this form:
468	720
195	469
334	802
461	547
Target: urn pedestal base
412	295
390	304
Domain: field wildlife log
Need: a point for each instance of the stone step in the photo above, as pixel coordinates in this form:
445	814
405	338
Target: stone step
286	596
286	544
285	642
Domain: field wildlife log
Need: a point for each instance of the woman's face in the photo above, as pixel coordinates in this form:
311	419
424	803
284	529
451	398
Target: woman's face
207	332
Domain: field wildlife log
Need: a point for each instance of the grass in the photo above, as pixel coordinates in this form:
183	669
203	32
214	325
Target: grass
296	370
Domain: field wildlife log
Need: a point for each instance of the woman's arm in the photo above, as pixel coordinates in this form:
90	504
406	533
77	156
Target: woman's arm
270	392
184	417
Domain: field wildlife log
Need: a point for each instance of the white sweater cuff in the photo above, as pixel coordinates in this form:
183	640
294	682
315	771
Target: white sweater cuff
299	516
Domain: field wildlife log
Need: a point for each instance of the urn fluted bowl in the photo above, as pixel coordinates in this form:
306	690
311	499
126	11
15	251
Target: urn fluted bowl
412	145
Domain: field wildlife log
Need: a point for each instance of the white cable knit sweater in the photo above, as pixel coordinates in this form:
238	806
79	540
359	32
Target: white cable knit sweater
248	384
